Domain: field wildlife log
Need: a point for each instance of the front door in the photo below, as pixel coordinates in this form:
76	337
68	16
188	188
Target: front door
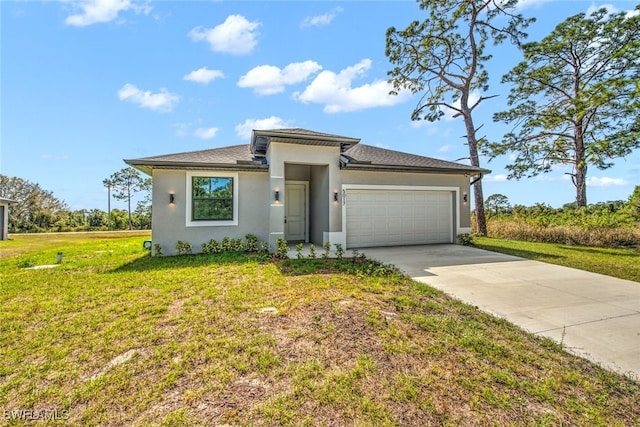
295	226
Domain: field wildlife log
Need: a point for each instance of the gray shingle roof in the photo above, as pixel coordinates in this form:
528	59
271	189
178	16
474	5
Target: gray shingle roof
305	132
223	155
237	157
364	156
359	156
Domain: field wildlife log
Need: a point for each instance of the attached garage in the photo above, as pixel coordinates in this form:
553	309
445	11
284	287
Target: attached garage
391	217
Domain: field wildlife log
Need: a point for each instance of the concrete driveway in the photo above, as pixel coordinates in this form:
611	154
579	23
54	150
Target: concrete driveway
594	316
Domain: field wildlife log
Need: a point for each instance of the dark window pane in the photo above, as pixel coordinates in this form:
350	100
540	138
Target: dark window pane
212	199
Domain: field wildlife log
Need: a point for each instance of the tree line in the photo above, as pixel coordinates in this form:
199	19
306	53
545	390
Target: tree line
38	210
604	224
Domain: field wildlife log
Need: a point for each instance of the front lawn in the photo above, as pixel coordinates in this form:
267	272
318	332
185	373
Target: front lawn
616	262
114	337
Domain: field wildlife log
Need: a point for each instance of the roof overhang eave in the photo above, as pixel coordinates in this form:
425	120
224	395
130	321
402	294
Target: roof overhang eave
148	166
260	140
415	169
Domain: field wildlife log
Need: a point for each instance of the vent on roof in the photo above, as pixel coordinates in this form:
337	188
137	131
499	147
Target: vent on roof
254	161
345	147
260	145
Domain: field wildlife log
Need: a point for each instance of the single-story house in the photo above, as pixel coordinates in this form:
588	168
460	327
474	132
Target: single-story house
4	217
307	186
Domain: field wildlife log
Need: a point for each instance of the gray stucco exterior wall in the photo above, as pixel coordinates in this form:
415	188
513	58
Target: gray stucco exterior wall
169	221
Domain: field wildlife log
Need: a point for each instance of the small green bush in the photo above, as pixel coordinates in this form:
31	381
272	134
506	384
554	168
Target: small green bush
157	249
339	251
312	251
213	247
299	247
236	245
327	251
183	248
465	239
251	243
282	249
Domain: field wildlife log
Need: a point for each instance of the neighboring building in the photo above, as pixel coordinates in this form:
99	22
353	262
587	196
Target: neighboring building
307	186
4	217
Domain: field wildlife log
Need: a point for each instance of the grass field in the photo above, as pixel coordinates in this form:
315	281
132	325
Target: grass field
114	337
621	263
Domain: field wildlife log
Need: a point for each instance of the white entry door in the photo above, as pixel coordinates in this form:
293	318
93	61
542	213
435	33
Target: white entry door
295	203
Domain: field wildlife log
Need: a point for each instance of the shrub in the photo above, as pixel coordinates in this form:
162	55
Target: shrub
236	245
299	247
251	243
327	251
157	249
312	251
465	239
183	248
339	251
282	249
213	247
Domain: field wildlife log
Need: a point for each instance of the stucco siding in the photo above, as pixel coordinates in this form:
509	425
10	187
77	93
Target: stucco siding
302	162
169	221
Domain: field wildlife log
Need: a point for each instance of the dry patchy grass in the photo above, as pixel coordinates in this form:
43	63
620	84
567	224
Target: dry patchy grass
119	338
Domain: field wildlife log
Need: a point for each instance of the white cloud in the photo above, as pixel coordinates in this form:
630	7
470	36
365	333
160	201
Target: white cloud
101	11
496	178
336	93
243	130
444	149
269	79
236	35
605	181
162	101
320	20
203	75
524	4
206	133
611	10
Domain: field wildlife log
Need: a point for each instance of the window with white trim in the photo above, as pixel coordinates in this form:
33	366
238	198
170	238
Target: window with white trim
213	198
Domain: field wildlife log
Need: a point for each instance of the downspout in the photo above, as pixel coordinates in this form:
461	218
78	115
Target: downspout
475	180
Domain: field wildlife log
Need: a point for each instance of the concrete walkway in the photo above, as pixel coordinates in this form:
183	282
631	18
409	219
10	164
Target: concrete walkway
594	316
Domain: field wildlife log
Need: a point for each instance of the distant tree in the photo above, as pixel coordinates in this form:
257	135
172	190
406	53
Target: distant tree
35	209
498	203
575	99
633	205
120	219
97	218
124	184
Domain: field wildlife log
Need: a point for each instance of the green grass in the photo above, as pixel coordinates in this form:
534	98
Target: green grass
114	337
621	263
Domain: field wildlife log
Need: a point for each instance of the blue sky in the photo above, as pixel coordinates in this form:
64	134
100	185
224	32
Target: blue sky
86	84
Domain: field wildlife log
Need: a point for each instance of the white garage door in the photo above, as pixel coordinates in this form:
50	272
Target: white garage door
398	217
